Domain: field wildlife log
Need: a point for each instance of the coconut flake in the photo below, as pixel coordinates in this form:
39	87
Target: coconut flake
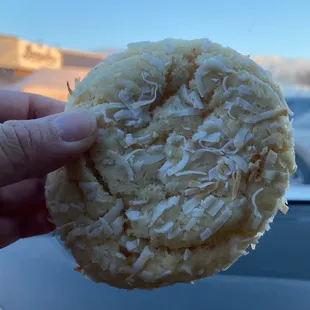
162	207
139	264
283	208
190	204
184	95
215	64
224	83
120	256
145	139
271	158
253	119
190	172
125	96
122	114
120	160
191	99
180	165
186	254
197	103
133	215
208	202
240	162
113	105
164	228
253	246
184	112
215	208
191	191
187	269
117	226
113	213
162	172
154	61
256	210
199	83
207	138
137	202
236	185
191	223
240	137
140	103
163	274
173	233
129	140
131	245
206	234
282	163
240	103
176	138
222	219
206	184
105	227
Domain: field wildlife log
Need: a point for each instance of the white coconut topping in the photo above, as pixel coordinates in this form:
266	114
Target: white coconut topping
215	208
162	207
190	204
187	254
206	234
144	257
180	165
120	160
256	212
264	116
184	112
141	102
154	61
131	245
133	215
188	170
115	211
164	228
187	269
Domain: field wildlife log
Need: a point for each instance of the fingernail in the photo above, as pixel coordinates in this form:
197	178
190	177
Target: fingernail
75	126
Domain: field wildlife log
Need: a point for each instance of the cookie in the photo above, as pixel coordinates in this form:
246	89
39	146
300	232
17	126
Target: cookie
191	164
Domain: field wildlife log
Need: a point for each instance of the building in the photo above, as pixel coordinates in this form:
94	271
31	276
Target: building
20	58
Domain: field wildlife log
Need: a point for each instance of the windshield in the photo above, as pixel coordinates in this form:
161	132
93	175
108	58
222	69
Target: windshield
46	48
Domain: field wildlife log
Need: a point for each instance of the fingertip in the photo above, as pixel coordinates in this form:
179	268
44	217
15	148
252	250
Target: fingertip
76	126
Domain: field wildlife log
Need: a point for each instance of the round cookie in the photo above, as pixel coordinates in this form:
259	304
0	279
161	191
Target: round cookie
191	164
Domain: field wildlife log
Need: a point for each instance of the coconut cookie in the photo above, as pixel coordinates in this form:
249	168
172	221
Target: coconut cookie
192	163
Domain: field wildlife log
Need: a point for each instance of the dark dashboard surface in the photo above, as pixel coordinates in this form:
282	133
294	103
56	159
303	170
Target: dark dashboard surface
36	274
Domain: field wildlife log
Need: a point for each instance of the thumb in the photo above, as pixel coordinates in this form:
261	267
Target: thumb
35	147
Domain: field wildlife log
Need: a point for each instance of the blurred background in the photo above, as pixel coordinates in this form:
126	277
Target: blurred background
44	45
41	49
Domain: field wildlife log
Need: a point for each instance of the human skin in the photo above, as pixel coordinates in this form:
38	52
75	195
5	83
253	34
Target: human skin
36	137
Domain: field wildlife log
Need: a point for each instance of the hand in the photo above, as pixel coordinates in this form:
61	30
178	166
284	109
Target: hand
35	139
